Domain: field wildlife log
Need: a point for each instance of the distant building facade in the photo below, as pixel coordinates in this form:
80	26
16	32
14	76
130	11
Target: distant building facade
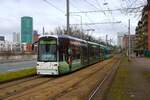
132	42
143	31
26	29
120	40
35	36
10	47
2	38
16	37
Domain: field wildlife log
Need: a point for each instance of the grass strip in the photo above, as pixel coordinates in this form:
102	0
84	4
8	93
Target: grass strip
146	75
9	76
120	83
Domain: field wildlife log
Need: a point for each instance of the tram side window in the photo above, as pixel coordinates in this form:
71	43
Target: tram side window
75	52
62	53
63	50
95	51
84	51
92	51
78	52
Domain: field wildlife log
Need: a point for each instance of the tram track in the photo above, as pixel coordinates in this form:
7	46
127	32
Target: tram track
54	83
101	82
74	86
14	82
21	86
70	89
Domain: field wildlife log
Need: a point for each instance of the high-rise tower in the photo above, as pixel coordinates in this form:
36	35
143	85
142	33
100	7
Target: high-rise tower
26	29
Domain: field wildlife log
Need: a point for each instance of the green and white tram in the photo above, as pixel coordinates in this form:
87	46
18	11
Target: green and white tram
63	54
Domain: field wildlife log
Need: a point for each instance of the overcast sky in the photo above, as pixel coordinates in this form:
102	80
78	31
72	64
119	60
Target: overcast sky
52	14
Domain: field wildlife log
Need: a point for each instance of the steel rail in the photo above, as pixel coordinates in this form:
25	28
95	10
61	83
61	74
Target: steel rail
102	82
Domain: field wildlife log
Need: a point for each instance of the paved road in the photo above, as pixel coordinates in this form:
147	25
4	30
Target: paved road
12	66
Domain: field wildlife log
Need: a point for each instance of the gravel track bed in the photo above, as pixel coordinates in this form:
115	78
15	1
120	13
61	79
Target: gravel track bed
71	85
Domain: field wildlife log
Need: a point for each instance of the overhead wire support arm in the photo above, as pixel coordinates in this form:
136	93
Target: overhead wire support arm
120	9
99	23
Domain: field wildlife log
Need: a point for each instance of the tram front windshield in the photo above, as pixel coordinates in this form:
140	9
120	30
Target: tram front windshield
47	50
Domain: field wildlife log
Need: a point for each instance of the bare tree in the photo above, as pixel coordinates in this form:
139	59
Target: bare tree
59	31
76	32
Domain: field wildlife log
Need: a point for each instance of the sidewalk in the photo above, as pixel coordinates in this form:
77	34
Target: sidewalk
132	81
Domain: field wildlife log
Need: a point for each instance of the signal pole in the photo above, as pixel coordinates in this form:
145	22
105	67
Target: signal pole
68	19
129	51
43	31
106	40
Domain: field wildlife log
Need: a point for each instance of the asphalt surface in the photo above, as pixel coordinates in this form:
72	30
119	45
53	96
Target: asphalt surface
18	65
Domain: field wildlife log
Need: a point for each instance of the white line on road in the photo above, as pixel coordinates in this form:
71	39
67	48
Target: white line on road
10	70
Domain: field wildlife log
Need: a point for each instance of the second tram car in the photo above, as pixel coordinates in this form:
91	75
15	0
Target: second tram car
63	54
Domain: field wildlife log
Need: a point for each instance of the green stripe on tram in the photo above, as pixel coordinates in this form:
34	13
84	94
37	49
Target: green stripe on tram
76	64
63	67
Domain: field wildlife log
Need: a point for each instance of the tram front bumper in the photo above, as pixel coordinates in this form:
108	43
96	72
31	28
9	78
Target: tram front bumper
47	72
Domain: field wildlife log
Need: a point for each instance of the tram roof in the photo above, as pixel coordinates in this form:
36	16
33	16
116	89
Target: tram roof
105	47
64	36
74	38
93	43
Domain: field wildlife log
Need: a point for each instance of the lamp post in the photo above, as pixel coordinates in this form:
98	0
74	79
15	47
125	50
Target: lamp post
129	42
68	18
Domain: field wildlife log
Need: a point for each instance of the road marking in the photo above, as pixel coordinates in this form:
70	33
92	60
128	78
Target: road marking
18	69
12	69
